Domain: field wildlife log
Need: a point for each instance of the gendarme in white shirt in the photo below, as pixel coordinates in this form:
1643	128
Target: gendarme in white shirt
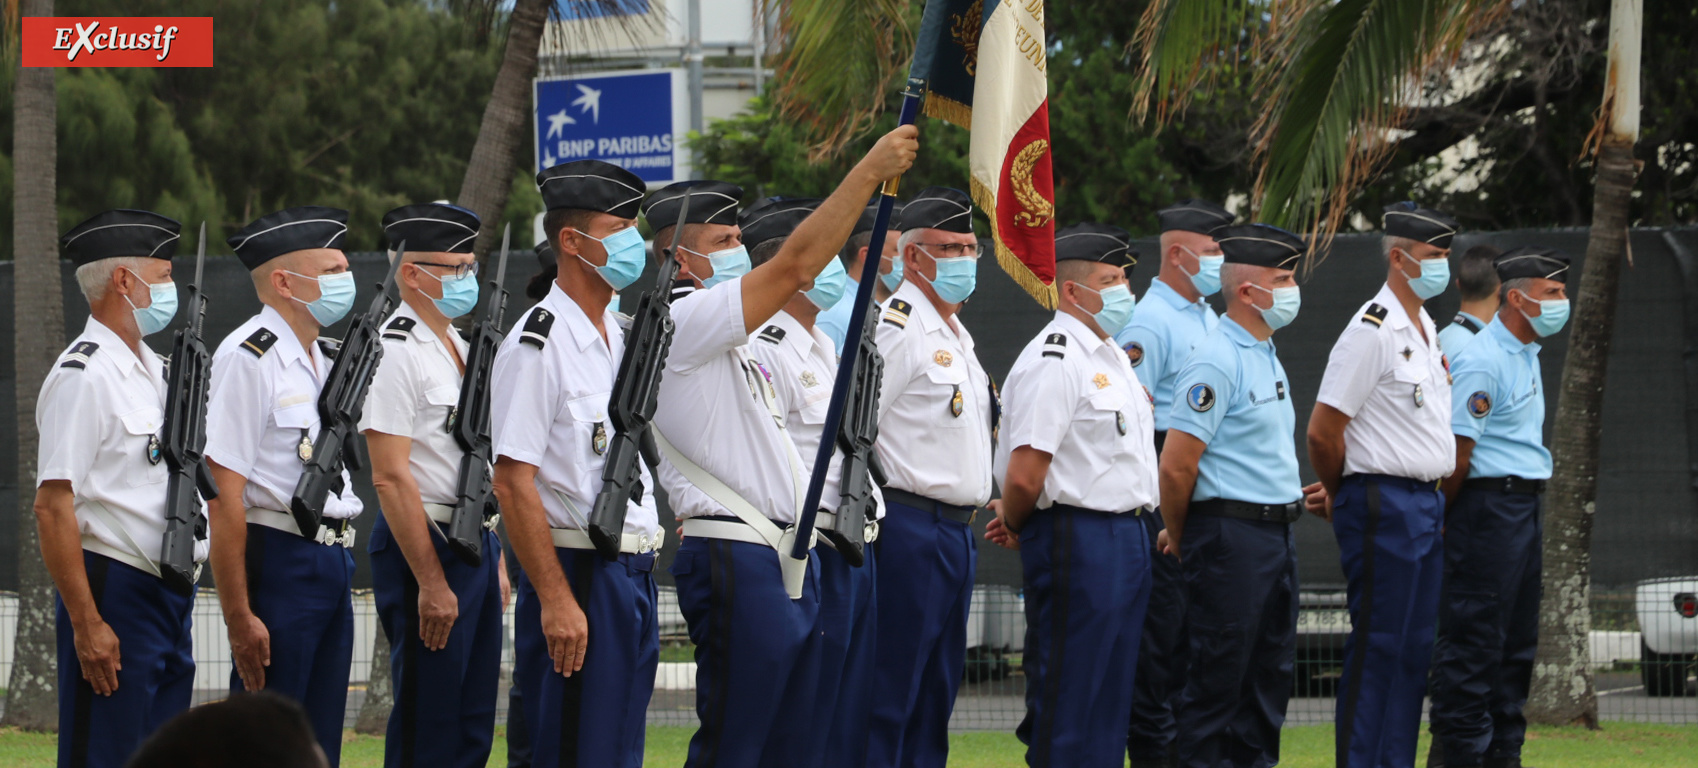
100	415
1395	387
925	446
549	409
263	401
719	409
412	394
1076	397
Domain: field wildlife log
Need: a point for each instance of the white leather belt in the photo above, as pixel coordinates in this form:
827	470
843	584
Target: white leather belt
629	543
285	522
827	521
730	531
443	514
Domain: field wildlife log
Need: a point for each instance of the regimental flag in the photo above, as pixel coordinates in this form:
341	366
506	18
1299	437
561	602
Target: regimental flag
990	57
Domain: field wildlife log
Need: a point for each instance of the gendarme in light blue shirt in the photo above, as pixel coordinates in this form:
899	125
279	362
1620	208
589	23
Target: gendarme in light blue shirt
1498	401
1456	336
835	321
1233	395
1164	330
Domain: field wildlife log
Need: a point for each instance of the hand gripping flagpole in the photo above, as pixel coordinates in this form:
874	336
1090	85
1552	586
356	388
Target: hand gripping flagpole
798	555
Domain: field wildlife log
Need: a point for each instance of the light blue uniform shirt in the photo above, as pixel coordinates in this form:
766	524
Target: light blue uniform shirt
1233	395
1163	331
1456	336
1499	403
835	321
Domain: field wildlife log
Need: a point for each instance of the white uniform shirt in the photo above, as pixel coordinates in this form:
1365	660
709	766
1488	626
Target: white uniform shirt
263	401
926	447
549	409
1075	396
803	364
100	413
719	409
412	394
1395	387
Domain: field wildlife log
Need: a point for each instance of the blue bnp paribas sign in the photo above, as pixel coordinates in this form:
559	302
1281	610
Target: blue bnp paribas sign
635	120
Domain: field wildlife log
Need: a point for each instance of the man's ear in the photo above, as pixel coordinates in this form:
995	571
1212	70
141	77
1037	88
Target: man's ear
280	283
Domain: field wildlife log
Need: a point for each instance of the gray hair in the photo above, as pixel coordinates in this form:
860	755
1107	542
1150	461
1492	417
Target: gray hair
1515	284
908	238
1391	243
95	277
1233	275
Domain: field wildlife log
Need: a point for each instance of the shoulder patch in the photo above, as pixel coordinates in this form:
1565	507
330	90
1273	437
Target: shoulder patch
79	355
897	313
1201	397
772	334
1479	404
399	328
1134	353
1055	345
1375	315
536	329
260	342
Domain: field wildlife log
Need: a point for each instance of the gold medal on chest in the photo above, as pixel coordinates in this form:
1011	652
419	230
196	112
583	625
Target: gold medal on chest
598	441
956	403
809	379
304	449
943	358
1101	380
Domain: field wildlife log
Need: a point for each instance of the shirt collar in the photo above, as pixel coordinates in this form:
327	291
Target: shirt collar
800	339
1240	336
930	320
584	332
1395	316
1081	333
1477	321
122	355
288	347
1506	339
1160	289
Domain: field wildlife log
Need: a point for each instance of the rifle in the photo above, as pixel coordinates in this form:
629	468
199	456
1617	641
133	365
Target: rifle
474	490
860	464
339	403
185	440
631	408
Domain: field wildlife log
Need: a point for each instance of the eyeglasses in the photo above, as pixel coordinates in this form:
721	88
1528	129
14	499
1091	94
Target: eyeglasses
953	250
455	271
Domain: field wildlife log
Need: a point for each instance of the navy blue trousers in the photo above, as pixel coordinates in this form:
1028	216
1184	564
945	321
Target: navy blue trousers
155	651
1161	655
1393	557
1241	625
597	716
757	654
300	589
925	587
848	634
444	711
1488	625
1087	581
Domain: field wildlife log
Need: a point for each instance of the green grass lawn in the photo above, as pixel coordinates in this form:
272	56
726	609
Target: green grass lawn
1616	745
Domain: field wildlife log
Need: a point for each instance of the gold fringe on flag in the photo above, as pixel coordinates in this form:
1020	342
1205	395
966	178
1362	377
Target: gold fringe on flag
1043	293
947	109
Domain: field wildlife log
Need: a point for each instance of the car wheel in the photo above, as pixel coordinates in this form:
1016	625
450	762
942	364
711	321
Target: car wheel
1664	673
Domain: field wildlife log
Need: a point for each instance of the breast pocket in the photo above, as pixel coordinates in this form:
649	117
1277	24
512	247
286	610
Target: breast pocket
1109	421
301	415
142	428
442	403
1412	385
947	387
590	427
815	402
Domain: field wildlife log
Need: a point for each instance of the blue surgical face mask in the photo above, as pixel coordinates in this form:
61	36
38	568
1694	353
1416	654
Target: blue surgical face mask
1118	304
624	257
1435	275
894	277
1285	303
956	278
728	264
335	297
1553	315
1207	279
829	285
161	308
459	294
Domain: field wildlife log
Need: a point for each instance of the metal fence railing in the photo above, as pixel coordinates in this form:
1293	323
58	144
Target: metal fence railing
992	696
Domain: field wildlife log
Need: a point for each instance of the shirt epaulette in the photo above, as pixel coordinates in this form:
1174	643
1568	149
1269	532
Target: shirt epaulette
1375	315
260	342
79	355
398	328
1055	345
897	313
772	334
537	327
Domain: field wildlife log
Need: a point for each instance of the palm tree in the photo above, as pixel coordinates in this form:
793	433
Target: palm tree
38	327
495	157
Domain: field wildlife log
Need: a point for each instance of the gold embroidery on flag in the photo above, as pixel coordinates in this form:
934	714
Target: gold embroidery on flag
965	31
1038	211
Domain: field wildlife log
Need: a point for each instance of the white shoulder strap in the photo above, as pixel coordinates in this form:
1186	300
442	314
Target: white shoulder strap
717	490
109	520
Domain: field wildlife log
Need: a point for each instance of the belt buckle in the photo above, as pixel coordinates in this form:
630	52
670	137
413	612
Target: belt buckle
325	536
490	522
869	533
195	579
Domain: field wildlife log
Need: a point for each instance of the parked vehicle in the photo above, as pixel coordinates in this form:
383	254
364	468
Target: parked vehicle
1668	626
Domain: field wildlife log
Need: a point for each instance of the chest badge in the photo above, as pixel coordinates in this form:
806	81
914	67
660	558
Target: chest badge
809	379
943	358
453	417
1407	352
956	403
154	449
1120	422
1101	380
598	441
1420	399
304	449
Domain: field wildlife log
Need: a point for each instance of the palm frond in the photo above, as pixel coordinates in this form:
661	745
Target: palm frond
837	61
1185	45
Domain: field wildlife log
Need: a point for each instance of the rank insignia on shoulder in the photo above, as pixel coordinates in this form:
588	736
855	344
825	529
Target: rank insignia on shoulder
1055	345
260	342
1375	315
897	313
1479	404
772	334
79	355
399	328
536	329
1134	353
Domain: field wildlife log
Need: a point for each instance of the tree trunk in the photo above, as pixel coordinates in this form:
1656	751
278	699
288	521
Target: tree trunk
38	323
489	174
1563	691
380	692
